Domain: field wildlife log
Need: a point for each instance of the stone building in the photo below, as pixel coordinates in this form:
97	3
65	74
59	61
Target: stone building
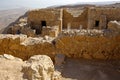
74	18
98	18
44	20
63	18
52	21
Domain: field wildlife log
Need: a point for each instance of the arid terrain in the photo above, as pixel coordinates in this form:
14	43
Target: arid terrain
35	49
9	16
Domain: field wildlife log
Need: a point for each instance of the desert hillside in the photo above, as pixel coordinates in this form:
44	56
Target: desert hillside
9	16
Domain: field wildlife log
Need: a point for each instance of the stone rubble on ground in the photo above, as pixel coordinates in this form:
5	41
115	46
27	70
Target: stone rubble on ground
32	41
83	32
28	40
10	36
38	67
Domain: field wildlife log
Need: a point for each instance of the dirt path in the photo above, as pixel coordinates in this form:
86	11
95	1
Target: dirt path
91	70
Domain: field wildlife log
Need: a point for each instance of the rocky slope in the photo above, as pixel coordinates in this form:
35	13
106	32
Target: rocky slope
9	16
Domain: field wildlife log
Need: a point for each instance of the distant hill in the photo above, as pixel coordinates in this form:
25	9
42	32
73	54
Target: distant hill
89	4
9	16
73	6
117	5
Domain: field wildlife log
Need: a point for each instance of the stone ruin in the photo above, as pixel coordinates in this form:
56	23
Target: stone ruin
54	28
52	22
52	31
74	46
90	33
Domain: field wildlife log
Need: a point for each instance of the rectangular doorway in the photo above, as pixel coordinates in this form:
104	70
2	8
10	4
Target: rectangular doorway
43	23
97	23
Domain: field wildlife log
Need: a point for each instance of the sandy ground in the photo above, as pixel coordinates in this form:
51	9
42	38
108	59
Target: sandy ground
74	69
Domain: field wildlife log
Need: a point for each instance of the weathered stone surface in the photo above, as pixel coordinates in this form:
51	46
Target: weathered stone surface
38	67
10	68
114	26
24	47
102	16
75	46
98	47
89	32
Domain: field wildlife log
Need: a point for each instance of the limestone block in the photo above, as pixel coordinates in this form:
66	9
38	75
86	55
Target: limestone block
39	68
10	68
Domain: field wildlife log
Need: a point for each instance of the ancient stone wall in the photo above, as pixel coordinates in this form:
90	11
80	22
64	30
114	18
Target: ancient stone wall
63	17
75	21
25	48
99	17
50	16
90	47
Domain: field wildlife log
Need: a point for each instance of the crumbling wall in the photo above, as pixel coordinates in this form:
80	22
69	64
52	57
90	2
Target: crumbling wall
103	16
51	16
76	21
51	31
98	47
89	47
15	48
61	18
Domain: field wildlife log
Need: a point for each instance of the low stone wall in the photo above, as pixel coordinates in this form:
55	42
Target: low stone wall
89	47
21	49
97	47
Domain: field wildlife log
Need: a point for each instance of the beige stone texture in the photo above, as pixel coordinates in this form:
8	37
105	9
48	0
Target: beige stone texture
89	47
114	26
75	21
103	15
38	67
10	68
75	46
51	16
24	48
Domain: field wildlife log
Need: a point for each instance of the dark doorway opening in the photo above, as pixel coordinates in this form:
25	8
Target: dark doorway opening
37	31
43	23
97	23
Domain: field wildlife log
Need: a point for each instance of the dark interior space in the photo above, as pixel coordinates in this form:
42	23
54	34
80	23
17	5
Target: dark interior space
43	23
97	23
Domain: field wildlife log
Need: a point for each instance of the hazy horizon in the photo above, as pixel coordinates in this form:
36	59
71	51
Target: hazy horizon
12	4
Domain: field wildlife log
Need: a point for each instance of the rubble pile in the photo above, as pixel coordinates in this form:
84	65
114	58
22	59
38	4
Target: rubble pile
38	67
93	32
